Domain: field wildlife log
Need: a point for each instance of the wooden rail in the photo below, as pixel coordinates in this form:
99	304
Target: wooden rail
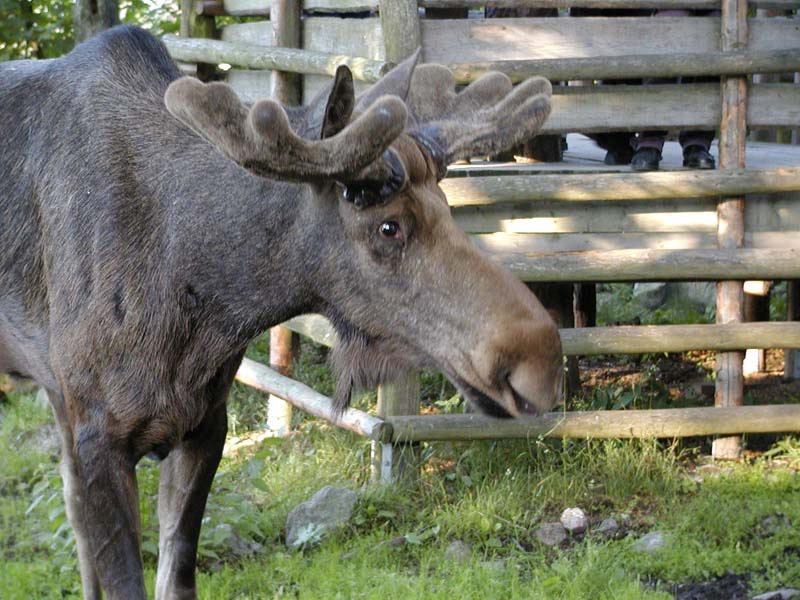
512	189
628	339
739	62
653	423
306	399
268	57
262	7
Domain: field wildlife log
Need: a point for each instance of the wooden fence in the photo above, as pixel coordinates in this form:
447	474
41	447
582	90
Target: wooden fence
569	227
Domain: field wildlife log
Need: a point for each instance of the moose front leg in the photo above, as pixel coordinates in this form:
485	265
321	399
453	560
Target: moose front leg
109	511
74	501
186	476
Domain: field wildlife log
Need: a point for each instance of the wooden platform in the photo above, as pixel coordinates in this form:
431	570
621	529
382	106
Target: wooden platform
584	156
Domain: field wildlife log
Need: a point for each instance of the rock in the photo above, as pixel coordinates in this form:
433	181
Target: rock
782	594
550	534
325	510
608	527
655	540
650	295
237	545
771	524
574	520
458	551
495	565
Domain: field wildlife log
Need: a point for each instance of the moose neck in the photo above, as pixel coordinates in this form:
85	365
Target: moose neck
250	244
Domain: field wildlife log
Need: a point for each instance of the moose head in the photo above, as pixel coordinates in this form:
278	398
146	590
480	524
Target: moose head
402	284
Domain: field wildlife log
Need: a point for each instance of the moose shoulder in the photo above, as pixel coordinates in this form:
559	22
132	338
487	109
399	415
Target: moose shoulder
152	225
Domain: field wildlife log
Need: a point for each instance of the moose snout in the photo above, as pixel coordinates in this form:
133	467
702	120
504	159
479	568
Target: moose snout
533	388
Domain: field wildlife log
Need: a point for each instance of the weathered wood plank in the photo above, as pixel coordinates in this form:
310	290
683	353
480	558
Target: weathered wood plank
266	57
633	66
655	265
285	86
262	7
662	423
478	40
764	213
354	37
659	4
679	338
510	189
543	243
689	106
306	399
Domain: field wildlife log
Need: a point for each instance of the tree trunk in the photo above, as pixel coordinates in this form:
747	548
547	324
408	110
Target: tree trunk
93	16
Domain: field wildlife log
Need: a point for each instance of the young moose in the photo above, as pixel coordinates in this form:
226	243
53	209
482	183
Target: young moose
151	225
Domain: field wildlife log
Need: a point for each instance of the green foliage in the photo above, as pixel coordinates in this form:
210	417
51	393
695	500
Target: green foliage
44	28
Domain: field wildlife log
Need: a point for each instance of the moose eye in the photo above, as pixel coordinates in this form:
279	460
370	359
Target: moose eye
389	229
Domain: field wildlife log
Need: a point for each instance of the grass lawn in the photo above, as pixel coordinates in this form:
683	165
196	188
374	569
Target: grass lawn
717	518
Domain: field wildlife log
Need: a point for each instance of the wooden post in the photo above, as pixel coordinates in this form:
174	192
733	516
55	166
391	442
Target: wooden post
285	19
791	360
279	412
393	462
197	25
730	218
285	88
398	462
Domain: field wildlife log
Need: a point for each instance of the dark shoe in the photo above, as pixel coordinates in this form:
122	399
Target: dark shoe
697	157
646	159
618	157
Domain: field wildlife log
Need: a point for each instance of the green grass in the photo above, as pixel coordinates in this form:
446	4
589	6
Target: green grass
491	495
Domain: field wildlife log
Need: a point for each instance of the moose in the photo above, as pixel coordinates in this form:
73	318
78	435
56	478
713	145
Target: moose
152	225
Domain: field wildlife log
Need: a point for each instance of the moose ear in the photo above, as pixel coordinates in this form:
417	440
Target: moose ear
341	101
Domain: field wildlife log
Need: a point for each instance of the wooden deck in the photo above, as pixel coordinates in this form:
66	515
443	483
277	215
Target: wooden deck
584	156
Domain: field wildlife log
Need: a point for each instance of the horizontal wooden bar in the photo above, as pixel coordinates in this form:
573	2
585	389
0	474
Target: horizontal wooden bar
743	62
641	339
488	40
628	339
256	8
512	189
543	243
306	399
638	4
654	423
655	265
267	57
594	109
210	8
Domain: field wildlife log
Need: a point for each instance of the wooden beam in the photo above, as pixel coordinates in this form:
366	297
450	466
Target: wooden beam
628	339
401	28
617	4
285	85
512	189
306	399
729	381
654	423
266	57
655	265
479	40
741	62
642	339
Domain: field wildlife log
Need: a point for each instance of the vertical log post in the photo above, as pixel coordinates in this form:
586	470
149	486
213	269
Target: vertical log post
730	218
791	361
285	18
196	25
391	463
284	88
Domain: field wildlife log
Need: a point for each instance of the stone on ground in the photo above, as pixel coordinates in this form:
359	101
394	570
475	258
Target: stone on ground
550	534
329	508
574	520
458	551
782	594
651	542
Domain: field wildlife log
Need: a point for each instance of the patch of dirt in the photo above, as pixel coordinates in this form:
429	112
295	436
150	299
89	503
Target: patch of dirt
728	587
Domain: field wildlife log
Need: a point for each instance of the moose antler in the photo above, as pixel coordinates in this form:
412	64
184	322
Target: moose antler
486	117
261	138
